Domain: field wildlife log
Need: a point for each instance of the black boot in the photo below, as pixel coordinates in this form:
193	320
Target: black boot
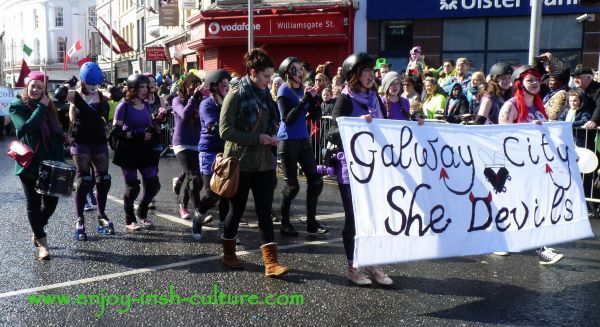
287	228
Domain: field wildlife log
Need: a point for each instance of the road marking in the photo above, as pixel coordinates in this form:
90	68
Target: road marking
153	269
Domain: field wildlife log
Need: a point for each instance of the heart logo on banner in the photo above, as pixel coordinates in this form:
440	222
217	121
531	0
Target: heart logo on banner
497	179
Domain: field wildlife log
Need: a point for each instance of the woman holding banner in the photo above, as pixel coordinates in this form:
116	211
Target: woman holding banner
37	126
358	99
527	107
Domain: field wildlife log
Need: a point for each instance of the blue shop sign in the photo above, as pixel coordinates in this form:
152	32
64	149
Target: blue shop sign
409	9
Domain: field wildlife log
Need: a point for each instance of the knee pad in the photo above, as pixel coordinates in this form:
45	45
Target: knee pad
84	183
132	190
151	186
103	183
194	183
290	190
315	187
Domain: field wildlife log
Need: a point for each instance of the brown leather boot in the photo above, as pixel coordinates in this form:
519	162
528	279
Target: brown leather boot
42	245
269	256
230	259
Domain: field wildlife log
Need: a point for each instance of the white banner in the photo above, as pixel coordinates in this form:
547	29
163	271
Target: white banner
7	95
443	190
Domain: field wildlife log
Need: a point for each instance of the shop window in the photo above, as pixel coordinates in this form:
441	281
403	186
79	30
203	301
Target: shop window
464	34
396	37
561	32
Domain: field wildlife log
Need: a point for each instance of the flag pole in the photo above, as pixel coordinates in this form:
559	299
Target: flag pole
12	54
113	78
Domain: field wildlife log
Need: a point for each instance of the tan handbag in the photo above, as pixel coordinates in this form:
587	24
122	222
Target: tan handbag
226	176
226	171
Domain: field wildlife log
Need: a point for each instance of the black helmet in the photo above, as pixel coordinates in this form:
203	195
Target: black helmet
216	76
353	61
501	68
285	64
135	80
520	70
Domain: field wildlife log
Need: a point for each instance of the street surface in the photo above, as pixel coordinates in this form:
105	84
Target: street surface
467	291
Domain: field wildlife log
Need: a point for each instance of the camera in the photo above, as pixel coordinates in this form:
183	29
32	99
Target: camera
585	17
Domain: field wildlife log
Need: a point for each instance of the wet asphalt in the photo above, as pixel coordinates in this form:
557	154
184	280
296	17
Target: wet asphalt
466	291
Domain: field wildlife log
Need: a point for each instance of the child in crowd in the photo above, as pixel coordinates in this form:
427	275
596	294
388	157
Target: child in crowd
328	102
576	115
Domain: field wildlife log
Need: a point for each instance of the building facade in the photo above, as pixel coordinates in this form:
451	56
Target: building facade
315	32
49	28
485	31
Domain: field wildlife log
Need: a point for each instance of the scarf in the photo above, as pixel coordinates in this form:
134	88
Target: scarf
369	100
251	101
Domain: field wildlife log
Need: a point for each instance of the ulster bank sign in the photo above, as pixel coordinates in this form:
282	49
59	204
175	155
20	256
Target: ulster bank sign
381	9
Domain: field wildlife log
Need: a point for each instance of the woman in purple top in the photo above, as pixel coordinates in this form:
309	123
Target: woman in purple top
358	99
210	141
133	125
396	106
186	112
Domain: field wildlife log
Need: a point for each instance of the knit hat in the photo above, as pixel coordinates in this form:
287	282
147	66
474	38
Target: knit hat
36	76
388	79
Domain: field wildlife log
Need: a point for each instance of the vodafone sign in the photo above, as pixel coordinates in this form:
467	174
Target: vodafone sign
310	24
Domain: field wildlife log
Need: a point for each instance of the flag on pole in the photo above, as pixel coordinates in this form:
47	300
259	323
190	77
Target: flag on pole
76	47
123	46
84	60
22	74
106	41
27	49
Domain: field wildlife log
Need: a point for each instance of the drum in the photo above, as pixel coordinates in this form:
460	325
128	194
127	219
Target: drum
55	178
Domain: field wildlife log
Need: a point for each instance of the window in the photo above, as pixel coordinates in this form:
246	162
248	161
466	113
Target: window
464	34
36	48
61	49
36	22
92	15
58	17
396	37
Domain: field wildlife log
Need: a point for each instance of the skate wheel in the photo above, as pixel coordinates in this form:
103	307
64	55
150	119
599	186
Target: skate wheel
330	171
320	170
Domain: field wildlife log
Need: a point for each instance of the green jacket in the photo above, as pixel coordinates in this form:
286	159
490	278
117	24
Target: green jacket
253	155
28	124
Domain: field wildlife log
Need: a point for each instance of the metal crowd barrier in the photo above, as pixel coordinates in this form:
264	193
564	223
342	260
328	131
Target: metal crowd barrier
166	134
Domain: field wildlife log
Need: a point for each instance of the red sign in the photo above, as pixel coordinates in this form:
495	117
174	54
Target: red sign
156	54
287	25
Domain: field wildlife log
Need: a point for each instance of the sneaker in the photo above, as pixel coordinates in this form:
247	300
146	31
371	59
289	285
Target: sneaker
184	213
197	228
314	227
88	207
152	205
356	276
147	223
548	256
501	253
379	276
93	200
208	219
133	227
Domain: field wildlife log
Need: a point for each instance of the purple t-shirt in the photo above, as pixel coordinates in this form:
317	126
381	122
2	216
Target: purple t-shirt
137	121
398	110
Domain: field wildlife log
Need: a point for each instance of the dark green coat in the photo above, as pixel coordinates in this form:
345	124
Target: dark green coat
28	124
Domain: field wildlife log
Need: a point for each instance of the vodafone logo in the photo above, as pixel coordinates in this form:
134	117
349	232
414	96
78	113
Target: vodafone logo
214	28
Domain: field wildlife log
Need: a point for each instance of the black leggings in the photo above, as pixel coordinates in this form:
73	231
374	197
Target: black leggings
93	165
192	184
292	153
349	228
209	199
39	207
262	184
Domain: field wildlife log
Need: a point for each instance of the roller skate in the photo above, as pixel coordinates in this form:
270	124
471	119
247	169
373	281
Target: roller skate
80	234
105	226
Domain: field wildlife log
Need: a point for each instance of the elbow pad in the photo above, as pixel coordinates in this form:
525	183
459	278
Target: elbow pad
61	93
213	129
